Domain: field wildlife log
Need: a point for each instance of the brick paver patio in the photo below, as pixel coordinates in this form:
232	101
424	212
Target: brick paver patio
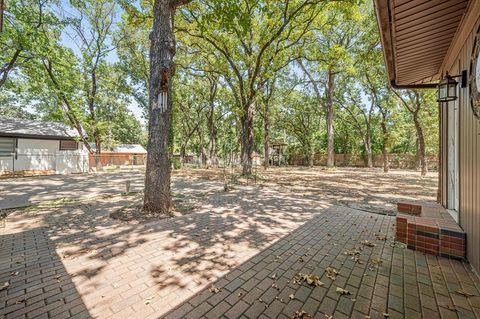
386	280
77	262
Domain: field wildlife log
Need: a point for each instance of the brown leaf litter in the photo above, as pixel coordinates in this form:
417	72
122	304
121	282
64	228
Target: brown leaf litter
331	273
342	291
5	286
302	314
311	279
214	290
368	243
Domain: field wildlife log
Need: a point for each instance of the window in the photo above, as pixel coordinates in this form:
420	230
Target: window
7	146
68	145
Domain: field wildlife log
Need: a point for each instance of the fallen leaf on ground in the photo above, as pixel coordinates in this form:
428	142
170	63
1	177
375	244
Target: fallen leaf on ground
149	300
19	301
386	315
213	289
464	293
331	273
342	291
274	276
291	296
15	273
381	237
4	286
301	314
367	243
374	263
354	251
311	279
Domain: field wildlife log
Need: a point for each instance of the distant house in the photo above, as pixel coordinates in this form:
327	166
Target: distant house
37	147
124	154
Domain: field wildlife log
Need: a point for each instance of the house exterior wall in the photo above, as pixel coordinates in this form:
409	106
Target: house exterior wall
72	161
468	151
35	155
44	156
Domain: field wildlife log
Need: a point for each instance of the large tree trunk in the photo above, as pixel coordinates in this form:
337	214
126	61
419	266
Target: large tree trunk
247	140
386	166
212	158
212	131
93	117
417	154
68	111
311	156
368	147
98	151
98	161
183	153
211	137
421	145
329	118
157	196
368	151
4	71
203	154
266	138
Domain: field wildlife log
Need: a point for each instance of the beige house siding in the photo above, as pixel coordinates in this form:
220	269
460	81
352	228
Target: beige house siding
443	156
469	155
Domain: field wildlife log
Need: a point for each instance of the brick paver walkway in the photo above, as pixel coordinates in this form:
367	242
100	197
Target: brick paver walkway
77	262
386	280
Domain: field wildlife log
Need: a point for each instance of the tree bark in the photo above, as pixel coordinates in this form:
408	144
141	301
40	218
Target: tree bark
157	196
211	146
368	143
368	150
93	117
69	112
329	119
247	139
311	156
266	137
414	110
383	124
8	67
183	153
421	145
204	160
212	132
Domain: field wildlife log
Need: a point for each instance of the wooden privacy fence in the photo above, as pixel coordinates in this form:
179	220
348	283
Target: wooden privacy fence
403	161
118	159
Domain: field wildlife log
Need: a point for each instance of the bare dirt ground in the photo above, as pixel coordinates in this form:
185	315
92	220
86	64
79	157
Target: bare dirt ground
360	188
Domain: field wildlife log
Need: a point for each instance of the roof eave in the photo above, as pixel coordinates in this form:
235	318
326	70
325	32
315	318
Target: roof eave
41	137
384	22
